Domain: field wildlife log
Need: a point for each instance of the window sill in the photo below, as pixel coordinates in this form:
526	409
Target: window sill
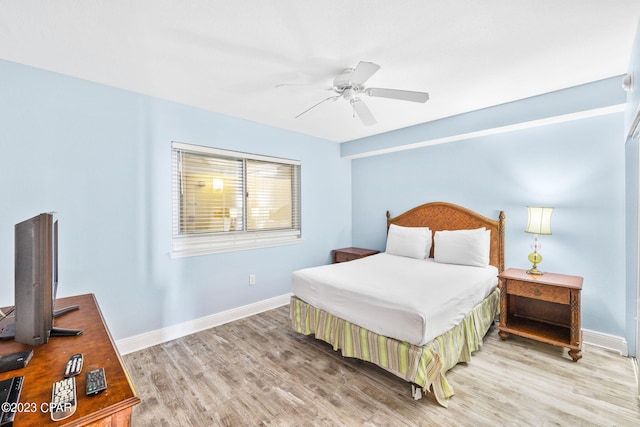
213	248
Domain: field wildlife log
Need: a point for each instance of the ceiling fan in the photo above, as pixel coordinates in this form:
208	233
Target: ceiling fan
349	84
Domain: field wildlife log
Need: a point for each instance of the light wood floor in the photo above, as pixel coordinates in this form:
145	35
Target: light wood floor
258	371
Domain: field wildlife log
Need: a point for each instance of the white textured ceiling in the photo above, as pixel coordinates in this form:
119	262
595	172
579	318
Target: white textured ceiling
228	56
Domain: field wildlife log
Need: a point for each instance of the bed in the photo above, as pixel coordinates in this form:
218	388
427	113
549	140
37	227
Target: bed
417	309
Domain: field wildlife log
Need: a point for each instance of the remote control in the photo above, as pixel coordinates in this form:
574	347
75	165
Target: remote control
63	399
15	360
74	366
95	381
9	399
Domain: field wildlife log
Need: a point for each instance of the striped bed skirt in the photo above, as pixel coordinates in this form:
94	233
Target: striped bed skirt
424	366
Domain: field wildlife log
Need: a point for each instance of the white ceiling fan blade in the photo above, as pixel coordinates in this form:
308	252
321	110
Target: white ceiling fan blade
279	85
362	72
404	95
363	112
333	98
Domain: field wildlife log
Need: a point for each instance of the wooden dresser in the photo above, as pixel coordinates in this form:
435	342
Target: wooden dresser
542	307
111	408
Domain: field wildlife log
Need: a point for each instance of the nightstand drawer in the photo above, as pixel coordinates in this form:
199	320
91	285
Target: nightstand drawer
344	257
539	291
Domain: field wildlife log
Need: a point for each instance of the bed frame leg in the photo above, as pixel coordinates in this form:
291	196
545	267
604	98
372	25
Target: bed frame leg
416	392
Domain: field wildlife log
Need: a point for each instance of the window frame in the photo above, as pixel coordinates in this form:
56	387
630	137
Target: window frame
184	244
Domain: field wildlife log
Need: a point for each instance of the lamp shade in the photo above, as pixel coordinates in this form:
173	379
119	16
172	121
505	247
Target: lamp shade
539	221
218	184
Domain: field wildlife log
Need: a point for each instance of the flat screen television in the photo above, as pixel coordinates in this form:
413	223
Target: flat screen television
36	281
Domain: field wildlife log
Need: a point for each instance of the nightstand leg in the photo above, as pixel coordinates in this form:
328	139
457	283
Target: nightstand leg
575	355
504	335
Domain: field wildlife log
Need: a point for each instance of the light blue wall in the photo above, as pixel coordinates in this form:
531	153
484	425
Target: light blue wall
632	182
100	157
576	167
599	94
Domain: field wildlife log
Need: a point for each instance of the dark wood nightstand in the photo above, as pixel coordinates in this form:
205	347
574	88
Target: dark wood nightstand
541	307
349	254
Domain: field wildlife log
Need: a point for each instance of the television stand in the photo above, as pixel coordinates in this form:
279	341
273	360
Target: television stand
64	332
60	312
9	330
8	333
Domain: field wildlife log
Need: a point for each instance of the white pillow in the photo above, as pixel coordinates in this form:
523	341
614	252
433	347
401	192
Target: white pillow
413	242
466	247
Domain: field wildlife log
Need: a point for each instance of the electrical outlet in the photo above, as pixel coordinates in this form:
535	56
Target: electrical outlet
252	279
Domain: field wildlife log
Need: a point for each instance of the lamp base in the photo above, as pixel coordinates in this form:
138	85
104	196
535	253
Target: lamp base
534	270
535	258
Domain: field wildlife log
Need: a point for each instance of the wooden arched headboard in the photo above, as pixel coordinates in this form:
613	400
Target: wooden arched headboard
447	216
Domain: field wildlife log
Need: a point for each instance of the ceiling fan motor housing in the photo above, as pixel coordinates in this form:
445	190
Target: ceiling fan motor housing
343	81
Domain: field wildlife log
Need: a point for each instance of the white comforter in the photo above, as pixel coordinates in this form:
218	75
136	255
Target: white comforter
399	297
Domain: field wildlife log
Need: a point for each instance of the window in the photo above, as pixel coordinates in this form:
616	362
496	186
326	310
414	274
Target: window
225	200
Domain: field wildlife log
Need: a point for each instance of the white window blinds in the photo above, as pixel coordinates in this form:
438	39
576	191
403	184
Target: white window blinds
225	200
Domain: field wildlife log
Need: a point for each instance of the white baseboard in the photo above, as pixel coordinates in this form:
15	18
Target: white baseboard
148	339
609	342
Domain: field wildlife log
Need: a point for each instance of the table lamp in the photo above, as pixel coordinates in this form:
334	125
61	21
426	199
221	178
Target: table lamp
539	222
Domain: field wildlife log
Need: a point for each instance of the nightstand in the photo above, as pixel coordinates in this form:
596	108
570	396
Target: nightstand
541	307
349	254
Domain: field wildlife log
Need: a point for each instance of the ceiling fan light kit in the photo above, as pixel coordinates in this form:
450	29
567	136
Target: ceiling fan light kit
349	84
